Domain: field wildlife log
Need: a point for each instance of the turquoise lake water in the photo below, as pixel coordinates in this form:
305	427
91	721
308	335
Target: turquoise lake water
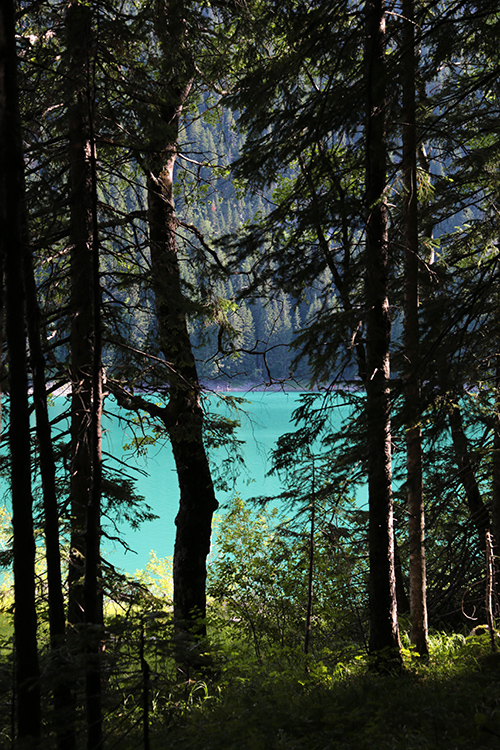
268	416
264	418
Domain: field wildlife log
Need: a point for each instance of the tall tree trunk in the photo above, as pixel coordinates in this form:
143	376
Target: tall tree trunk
403	603
78	40
85	602
6	12
57	621
413	411
183	416
384	635
14	234
93	584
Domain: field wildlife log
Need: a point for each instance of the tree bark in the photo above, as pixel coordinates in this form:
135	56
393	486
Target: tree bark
495	490
310	562
384	635
85	601
57	621
183	415
14	242
78	39
413	411
92	583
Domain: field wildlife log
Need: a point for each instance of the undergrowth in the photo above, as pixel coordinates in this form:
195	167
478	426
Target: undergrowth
450	701
260	691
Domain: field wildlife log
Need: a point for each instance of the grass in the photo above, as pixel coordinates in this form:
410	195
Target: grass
450	702
453	701
270	701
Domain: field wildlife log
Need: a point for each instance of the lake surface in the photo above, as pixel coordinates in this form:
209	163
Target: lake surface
264	417
268	416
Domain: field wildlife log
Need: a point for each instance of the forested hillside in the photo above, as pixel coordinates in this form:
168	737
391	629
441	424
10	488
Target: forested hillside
252	346
197	198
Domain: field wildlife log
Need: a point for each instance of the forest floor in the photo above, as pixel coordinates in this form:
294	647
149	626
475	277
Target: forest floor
450	702
282	700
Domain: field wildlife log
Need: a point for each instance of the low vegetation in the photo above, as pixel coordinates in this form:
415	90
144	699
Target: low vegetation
257	687
451	701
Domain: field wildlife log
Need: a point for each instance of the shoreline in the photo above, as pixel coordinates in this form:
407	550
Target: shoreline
222	387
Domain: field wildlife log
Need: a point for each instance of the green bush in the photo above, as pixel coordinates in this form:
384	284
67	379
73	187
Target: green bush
258	585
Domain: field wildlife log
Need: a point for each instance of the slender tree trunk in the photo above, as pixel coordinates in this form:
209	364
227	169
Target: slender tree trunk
57	621
47	462
93	584
403	603
6	12
413	434
85	601
14	234
490	587
78	36
384	635
310	572
495	501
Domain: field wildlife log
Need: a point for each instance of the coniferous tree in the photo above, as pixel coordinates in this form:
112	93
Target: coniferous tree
14	247
182	416
85	601
57	620
78	25
384	635
317	210
413	407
